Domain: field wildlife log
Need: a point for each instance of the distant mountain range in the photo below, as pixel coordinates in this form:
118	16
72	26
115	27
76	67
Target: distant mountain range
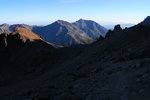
64	33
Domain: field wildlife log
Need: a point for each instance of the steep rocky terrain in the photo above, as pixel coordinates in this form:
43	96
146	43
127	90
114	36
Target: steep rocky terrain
146	21
114	68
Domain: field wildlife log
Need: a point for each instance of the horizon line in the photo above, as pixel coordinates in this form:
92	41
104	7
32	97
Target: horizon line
52	21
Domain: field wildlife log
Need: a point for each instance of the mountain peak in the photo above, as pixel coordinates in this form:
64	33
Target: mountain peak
5	24
148	17
61	21
146	21
83	20
88	26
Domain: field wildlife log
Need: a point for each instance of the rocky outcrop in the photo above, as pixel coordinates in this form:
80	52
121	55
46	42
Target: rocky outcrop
146	21
117	28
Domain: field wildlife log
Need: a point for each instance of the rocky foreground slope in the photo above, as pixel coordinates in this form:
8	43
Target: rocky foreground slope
114	68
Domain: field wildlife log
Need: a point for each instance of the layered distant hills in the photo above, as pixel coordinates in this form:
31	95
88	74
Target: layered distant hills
64	33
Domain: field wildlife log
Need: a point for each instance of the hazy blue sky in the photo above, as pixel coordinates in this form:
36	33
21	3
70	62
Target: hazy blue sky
47	11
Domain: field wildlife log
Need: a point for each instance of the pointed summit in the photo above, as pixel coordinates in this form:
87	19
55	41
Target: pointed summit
85	21
93	29
148	17
81	20
61	22
146	21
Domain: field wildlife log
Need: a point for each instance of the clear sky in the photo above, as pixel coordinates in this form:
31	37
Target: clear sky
47	11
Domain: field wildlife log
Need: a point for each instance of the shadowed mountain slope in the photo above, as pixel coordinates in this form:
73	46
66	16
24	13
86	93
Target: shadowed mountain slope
114	68
64	33
21	51
93	29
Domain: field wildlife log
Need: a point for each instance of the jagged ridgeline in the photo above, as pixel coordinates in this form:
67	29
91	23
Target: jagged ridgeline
64	33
